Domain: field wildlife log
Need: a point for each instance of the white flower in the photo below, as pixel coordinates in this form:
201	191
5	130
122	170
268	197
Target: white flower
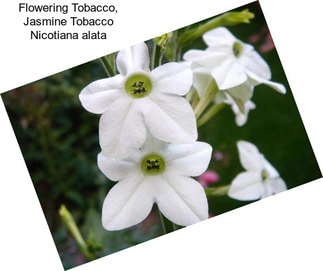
260	179
238	97
158	173
241	118
231	62
138	100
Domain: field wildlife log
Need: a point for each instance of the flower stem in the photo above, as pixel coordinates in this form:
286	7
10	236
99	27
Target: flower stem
162	222
107	66
74	230
217	191
226	19
156	56
206	99
174	227
209	114
153	56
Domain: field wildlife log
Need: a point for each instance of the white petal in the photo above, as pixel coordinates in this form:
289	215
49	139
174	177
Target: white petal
241	119
256	80
247	186
188	159
274	186
271	171
181	200
127	203
115	169
250	157
254	63
201	80
170	118
219	35
278	185
153	145
99	95
222	97
172	78
204	58
242	92
229	74
133	59
121	128
269	191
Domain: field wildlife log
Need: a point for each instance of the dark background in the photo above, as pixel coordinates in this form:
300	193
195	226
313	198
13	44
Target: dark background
59	141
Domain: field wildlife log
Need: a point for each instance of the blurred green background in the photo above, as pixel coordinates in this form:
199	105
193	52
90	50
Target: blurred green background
59	141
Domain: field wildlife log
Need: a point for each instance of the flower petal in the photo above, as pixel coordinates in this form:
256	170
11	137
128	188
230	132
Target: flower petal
242	92
153	145
246	186
229	74
278	185
271	171
172	78
274	186
250	157
188	159
240	118
256	80
115	169
205	58
121	128
219	35
170	118
201	80
99	95
181	199
254	63
127	203
133	59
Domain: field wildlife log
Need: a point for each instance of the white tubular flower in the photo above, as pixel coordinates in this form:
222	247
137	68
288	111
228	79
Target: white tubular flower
158	173
241	118
138	100
260	179
231	62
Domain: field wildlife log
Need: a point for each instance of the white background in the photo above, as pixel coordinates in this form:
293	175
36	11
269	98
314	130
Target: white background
279	233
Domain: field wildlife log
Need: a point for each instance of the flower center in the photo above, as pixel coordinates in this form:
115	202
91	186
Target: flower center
153	164
138	85
237	49
264	174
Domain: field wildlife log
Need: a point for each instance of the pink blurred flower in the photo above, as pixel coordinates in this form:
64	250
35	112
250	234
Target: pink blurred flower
218	156
208	178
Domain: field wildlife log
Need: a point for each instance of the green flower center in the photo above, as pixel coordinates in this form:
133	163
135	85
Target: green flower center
138	85
153	164
264	174
237	49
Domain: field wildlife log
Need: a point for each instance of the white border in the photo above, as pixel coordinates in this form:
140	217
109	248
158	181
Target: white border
283	232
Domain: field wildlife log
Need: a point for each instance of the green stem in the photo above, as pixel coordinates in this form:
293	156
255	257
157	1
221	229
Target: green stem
174	226
206	99
162	222
113	63
226	19
217	191
153	56
195	99
210	114
74	230
107	66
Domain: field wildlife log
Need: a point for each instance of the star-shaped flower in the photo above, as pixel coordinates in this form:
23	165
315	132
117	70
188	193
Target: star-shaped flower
260	179
139	100
157	173
240	118
231	62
